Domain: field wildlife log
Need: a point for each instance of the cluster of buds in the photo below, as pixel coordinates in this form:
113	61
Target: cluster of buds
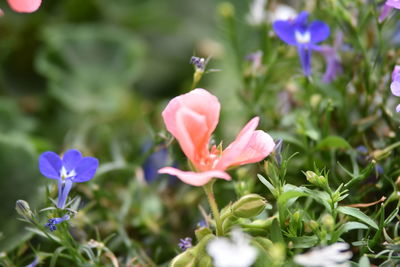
317	180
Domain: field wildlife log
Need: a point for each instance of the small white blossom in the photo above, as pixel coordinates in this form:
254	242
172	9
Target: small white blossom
257	14
335	255
282	12
234	252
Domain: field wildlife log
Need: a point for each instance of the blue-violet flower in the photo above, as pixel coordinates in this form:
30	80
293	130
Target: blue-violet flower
51	224
156	161
185	243
305	36
71	168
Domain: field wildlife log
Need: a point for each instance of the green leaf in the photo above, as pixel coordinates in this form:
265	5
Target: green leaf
348	227
304	241
284	199
334	142
391	216
276	234
359	215
266	183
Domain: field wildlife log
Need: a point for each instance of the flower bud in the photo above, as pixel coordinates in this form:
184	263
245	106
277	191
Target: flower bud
248	206
202	232
184	259
23	209
277	254
315	179
328	222
313	225
226	10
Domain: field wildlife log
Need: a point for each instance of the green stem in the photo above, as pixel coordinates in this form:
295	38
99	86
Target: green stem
208	188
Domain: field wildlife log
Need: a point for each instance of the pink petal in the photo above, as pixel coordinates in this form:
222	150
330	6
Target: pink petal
193	136
236	148
25	6
195	178
398	108
259	147
395	88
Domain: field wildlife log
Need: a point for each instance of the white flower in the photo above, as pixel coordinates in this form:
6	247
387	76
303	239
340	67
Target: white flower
236	252
335	255
257	14
282	12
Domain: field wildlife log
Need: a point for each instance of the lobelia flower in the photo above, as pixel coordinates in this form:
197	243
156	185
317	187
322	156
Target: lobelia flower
335	255
305	36
51	224
25	6
332	58
34	263
158	159
191	118
387	7
236	252
71	168
185	243
395	85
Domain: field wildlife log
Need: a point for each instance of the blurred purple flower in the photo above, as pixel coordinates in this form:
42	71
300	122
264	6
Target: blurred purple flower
154	162
34	263
51	224
332	58
158	159
387	7
395	85
198	62
185	243
202	224
256	61
305	36
71	168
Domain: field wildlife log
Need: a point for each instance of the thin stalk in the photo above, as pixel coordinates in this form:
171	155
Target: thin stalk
208	188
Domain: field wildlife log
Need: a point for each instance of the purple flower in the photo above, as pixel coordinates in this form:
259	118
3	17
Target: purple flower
71	168
387	7
51	224
185	243
303	35
202	224
395	85
154	162
198	62
332	58
34	263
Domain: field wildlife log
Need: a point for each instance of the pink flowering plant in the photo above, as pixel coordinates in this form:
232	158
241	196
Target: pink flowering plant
200	133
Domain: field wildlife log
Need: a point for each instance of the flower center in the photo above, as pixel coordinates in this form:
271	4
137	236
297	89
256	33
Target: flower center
302	37
64	174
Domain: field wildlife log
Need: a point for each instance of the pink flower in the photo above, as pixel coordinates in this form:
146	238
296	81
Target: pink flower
24	6
192	118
